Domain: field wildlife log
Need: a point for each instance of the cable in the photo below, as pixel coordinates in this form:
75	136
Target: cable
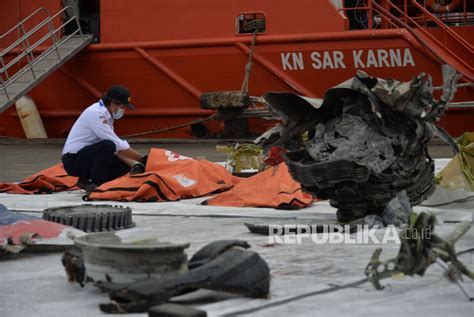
298	297
359	16
465	251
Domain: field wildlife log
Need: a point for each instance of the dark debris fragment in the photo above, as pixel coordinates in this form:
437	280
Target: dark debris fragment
368	141
225	267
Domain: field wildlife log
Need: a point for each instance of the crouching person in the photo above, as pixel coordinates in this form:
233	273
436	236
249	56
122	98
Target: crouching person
93	152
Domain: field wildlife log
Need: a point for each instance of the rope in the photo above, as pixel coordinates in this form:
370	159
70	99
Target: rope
248	67
179	126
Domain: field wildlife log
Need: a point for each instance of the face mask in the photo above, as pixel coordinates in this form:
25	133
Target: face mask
118	114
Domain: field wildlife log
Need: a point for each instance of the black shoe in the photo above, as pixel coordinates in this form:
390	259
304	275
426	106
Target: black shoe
82	182
90	187
137	168
86	184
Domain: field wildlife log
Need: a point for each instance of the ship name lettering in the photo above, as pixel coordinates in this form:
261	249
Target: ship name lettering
361	58
292	61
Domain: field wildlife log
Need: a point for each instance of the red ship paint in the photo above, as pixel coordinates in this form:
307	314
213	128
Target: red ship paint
169	52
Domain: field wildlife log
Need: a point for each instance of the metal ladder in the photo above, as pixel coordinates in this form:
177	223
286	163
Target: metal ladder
24	65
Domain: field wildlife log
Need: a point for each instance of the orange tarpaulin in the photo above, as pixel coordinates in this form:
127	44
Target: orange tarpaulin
53	179
273	188
168	177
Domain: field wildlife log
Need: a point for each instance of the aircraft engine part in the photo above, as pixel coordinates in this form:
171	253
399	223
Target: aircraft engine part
368	141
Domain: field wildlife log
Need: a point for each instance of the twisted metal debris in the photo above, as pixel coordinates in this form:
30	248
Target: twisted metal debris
419	250
368	140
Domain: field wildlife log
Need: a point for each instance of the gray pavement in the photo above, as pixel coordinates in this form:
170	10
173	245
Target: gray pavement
18	161
21	159
35	284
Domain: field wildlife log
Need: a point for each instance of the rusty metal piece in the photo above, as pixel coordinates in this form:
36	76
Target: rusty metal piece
225	99
73	262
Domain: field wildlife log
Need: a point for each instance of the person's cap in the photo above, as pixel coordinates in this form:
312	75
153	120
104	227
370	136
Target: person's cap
122	95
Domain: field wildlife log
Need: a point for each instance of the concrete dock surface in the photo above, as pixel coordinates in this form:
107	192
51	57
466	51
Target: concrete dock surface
18	160
21	158
305	276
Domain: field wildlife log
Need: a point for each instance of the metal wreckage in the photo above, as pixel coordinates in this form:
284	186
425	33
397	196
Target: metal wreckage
366	151
368	142
223	265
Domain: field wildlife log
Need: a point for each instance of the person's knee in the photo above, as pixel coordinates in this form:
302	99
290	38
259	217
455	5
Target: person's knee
68	167
108	146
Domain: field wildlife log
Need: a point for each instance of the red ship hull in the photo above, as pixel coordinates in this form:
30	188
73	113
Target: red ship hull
170	52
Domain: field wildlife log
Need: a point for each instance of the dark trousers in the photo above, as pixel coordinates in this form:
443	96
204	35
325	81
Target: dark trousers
96	163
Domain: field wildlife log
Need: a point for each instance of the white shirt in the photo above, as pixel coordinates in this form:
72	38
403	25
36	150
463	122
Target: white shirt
93	125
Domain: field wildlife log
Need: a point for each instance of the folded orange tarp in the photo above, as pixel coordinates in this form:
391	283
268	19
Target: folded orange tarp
168	177
273	188
53	179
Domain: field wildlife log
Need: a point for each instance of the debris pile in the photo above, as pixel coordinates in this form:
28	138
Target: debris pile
223	265
368	141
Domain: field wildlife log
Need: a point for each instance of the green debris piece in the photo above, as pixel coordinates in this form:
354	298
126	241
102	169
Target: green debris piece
466	145
459	173
419	248
244	157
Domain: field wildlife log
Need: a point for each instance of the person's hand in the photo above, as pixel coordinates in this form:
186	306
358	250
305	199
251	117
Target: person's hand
137	168
144	159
